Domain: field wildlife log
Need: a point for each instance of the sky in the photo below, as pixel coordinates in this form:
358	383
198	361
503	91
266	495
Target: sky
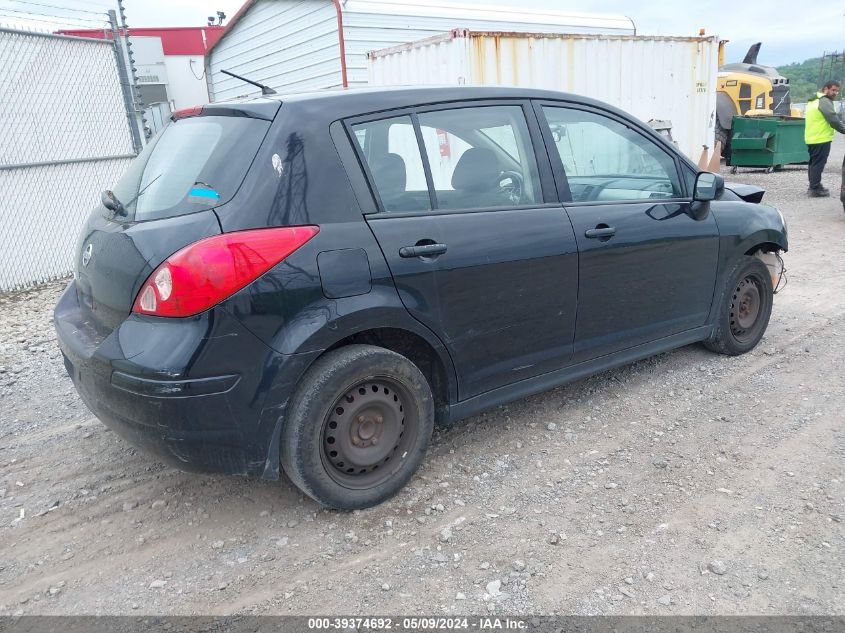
790	31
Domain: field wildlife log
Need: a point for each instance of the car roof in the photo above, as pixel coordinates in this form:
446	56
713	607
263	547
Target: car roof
425	93
323	107
348	102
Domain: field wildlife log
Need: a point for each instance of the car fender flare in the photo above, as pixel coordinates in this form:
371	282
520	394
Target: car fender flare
745	245
763	236
350	317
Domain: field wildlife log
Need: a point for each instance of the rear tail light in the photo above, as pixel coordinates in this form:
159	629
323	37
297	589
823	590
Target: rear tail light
204	273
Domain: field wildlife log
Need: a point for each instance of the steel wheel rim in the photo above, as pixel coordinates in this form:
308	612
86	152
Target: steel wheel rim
746	307
367	432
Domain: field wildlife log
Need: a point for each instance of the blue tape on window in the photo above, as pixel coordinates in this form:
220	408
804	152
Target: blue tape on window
204	193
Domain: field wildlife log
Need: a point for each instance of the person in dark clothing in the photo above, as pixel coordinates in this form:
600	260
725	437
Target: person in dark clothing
821	121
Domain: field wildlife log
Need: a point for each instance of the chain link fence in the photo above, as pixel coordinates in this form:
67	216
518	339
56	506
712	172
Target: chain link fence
64	137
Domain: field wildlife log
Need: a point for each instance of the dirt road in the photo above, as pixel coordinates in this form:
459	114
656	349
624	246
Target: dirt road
687	483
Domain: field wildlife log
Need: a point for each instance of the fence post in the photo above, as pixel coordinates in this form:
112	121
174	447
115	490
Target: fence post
125	86
140	106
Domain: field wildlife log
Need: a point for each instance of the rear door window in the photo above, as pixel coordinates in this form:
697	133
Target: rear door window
192	165
477	157
393	157
481	157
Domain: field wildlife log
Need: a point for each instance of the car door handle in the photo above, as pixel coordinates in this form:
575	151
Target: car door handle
601	231
422	250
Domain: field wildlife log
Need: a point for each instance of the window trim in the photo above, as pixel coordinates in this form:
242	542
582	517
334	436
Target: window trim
355	171
425	213
564	191
545	173
429	178
363	163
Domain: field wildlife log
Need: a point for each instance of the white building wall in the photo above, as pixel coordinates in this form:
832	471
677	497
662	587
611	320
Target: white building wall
186	84
149	59
293	45
288	45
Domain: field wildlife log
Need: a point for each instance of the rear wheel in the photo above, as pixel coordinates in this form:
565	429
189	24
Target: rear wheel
357	427
744	308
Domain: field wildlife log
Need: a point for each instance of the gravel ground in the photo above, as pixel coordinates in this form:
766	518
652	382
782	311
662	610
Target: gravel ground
688	483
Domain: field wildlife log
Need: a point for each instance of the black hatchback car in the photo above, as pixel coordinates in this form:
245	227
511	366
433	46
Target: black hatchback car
314	280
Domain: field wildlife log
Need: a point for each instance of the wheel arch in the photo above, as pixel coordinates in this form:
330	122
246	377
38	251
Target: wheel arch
746	227
766	247
767	240
433	361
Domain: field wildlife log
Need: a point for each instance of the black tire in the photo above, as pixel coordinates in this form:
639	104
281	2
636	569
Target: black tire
357	427
724	136
743	309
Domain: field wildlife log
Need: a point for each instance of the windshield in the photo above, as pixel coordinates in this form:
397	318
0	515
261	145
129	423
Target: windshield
192	165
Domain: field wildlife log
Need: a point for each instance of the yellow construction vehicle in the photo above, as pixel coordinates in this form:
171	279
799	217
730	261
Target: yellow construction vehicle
749	89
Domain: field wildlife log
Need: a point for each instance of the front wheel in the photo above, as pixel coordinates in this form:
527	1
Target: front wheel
743	309
357	427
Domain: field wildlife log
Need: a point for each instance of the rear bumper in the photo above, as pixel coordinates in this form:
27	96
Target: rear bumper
203	394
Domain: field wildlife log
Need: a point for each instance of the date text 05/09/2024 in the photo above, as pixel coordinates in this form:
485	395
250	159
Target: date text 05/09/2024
417	623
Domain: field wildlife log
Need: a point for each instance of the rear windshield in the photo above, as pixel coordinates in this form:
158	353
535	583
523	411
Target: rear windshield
192	165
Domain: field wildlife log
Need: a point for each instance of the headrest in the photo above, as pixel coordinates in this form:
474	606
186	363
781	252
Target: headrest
477	170
390	174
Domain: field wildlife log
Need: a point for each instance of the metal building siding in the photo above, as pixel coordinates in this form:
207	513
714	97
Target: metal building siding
428	16
294	44
283	44
650	77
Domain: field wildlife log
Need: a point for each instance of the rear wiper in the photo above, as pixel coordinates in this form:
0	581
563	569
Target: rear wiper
111	202
265	90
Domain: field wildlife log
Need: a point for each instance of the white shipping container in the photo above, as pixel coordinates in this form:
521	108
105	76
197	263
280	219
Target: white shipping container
295	45
651	77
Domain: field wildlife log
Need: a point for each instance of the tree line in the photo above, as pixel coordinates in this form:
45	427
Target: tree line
806	77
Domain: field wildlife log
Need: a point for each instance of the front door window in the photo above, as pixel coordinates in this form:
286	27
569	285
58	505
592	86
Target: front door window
605	160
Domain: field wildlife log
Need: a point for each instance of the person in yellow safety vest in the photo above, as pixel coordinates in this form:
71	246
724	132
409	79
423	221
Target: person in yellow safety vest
821	121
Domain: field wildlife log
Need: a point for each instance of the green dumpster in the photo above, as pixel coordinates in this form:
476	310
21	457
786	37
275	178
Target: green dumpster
767	141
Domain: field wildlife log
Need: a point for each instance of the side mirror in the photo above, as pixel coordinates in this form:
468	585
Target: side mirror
708	186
